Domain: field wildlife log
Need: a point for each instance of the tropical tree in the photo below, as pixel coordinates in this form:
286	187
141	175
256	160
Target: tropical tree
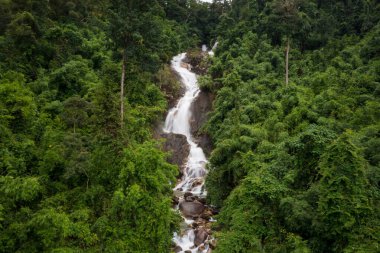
289	19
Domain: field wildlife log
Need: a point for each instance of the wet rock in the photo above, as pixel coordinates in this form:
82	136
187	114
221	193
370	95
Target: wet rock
202	173
200	236
212	244
197	182
200	108
207	214
200	222
189	199
186	65
175	200
202	200
178	193
177	249
187	194
199	61
191	209
215	211
178	146
195	58
188	251
201	248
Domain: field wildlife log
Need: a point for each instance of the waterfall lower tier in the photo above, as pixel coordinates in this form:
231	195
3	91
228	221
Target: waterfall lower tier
190	193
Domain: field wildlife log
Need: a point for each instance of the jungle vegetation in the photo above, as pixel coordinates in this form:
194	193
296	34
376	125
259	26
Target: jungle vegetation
295	126
73	177
295	123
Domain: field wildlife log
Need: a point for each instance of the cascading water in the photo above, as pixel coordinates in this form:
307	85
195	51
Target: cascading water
192	183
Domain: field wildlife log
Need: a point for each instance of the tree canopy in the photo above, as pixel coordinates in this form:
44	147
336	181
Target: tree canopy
294	167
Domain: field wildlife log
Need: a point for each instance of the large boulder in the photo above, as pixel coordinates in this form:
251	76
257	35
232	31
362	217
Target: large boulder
187	194
178	146
177	249
212	244
200	236
191	209
206	215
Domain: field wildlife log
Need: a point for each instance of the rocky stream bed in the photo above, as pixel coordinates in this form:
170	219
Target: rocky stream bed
188	147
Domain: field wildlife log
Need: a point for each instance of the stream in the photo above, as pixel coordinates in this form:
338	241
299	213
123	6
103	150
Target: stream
190	191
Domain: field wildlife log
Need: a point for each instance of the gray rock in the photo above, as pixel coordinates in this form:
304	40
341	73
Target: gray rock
201	248
206	215
178	146
202	200
197	182
177	249
195	58
177	193
187	194
200	236
191	209
199	111
212	244
175	200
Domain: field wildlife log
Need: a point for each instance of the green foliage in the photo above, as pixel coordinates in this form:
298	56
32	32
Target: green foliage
74	77
295	168
70	179
167	81
345	199
75	112
142	201
140	30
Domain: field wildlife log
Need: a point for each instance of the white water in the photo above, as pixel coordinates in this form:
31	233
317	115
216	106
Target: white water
211	52
178	122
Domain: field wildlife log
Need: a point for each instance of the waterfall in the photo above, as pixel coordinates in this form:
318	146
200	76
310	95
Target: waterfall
192	182
178	122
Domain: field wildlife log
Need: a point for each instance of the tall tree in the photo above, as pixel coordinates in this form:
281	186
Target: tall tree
142	36
126	30
289	18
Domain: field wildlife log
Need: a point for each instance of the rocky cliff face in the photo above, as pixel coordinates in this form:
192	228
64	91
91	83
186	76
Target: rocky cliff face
199	110
173	99
178	147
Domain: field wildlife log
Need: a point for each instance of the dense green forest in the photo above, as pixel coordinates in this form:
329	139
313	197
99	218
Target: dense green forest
295	123
73	178
296	165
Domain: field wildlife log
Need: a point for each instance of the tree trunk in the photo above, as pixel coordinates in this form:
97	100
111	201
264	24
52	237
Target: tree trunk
122	91
287	62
